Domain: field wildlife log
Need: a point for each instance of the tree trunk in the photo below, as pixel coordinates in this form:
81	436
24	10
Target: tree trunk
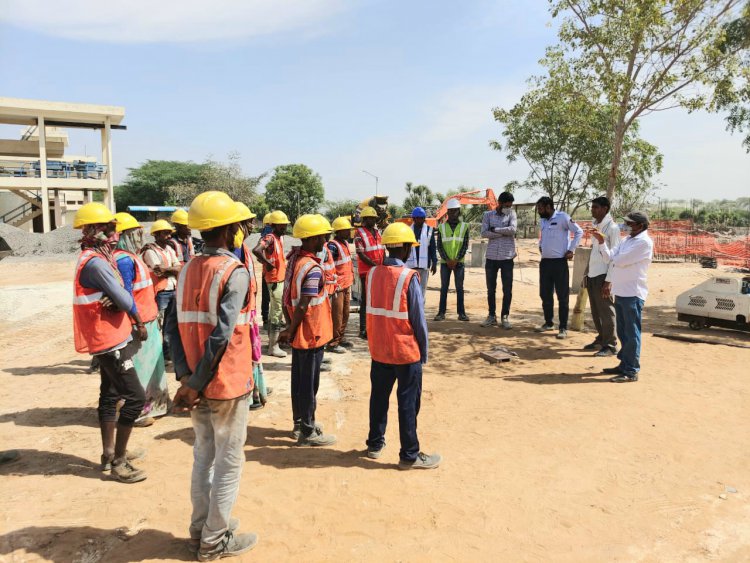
614	169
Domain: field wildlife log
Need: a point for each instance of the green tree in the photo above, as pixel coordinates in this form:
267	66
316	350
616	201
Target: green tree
564	134
647	55
295	189
224	177
420	196
147	184
340	208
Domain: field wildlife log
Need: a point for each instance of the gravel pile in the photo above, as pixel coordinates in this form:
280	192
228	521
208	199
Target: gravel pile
22	243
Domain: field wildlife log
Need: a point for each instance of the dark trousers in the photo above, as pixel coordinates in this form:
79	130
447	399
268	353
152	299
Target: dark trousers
265	299
305	383
491	268
629	310
119	380
164	301
553	279
603	312
445	282
362	303
409	395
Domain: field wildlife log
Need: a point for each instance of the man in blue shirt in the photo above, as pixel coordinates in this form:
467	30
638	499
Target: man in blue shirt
557	249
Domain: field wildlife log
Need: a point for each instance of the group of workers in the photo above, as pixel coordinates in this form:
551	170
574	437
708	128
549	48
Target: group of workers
195	301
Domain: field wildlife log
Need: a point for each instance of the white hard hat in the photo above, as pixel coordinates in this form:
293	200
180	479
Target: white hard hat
453	203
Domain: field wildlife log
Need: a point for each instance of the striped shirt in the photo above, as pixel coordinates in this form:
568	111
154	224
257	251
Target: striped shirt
501	231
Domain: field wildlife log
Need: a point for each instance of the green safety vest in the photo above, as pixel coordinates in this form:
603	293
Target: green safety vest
452	240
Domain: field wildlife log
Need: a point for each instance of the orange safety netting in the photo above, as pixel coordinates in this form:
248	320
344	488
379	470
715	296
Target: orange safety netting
681	239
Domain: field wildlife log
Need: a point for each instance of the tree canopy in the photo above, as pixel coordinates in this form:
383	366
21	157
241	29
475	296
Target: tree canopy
295	189
147	184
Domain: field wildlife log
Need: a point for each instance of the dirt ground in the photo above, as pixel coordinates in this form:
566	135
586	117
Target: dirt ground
544	460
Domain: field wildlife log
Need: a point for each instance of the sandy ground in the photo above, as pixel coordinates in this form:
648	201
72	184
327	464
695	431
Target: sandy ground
543	459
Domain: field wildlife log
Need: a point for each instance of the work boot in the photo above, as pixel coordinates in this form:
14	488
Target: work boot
491	320
195	543
463	317
563	334
130	455
611	371
440	317
506	323
297	431
423	461
336	350
606	352
126	472
593	346
372	453
623	378
273	344
229	546
546	327
316	439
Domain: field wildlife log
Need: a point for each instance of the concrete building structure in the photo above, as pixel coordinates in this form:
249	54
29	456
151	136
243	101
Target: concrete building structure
39	184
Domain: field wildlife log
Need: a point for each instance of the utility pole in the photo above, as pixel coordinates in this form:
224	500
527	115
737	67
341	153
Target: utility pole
376	180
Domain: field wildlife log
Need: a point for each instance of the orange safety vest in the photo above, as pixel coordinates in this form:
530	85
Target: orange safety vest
199	290
251	296
316	328
143	288
160	284
344	266
177	246
329	270
374	250
389	333
275	256
95	328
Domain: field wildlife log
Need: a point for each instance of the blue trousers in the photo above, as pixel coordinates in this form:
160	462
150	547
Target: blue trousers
628	310
409	395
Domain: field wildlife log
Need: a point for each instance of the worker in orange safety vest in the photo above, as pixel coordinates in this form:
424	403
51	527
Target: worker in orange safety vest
370	253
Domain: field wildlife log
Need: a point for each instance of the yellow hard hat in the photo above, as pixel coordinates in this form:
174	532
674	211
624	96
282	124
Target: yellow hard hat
278	218
368	212
267	219
126	221
161	225
93	213
310	226
179	217
399	234
341	224
244	211
212	209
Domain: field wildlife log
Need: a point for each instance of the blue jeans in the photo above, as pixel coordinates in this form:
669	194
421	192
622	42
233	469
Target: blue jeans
629	311
445	282
164	300
409	395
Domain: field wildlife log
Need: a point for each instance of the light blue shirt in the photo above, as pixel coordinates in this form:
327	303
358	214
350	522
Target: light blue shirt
556	231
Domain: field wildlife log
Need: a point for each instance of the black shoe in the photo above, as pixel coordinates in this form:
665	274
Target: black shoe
363	334
463	317
606	352
622	378
593	346
612	371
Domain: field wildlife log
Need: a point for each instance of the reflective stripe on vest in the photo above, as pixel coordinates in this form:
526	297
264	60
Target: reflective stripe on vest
390	335
95	328
424	244
374	250
199	290
301	274
452	240
329	270
344	266
278	259
316	328
143	292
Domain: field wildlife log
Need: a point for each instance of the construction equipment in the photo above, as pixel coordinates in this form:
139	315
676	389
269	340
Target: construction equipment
380	204
720	301
464	198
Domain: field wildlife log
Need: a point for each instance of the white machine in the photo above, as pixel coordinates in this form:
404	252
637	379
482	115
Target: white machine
720	301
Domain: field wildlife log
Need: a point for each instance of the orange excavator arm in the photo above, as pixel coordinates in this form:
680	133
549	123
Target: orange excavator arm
470	198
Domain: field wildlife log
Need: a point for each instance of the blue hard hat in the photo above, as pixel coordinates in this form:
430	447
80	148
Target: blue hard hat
418	212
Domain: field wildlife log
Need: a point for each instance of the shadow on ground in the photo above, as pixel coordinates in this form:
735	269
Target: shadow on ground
39	462
53	417
74	367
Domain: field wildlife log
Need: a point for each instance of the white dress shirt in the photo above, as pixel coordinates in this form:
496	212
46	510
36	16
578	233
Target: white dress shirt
611	232
629	263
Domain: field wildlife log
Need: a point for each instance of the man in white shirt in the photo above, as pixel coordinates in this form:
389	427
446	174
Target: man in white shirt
598	281
629	263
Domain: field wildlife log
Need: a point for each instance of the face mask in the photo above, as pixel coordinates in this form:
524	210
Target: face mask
505	210
239	238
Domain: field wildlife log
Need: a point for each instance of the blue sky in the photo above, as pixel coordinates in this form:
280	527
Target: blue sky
402	89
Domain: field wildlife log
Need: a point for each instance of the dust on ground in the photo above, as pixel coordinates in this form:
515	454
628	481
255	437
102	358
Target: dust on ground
543	458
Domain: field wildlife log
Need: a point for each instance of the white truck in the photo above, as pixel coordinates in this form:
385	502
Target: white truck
721	301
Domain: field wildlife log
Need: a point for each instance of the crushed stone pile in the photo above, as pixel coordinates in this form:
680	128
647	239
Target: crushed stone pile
22	243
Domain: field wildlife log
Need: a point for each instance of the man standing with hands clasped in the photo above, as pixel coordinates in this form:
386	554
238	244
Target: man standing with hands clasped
598	281
557	249
629	263
499	226
452	244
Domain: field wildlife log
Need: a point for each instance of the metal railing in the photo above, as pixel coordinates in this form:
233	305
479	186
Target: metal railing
31	168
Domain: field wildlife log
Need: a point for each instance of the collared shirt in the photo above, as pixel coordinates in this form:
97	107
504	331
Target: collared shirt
555	242
431	248
152	259
629	263
611	232
232	301
415	304
501	231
